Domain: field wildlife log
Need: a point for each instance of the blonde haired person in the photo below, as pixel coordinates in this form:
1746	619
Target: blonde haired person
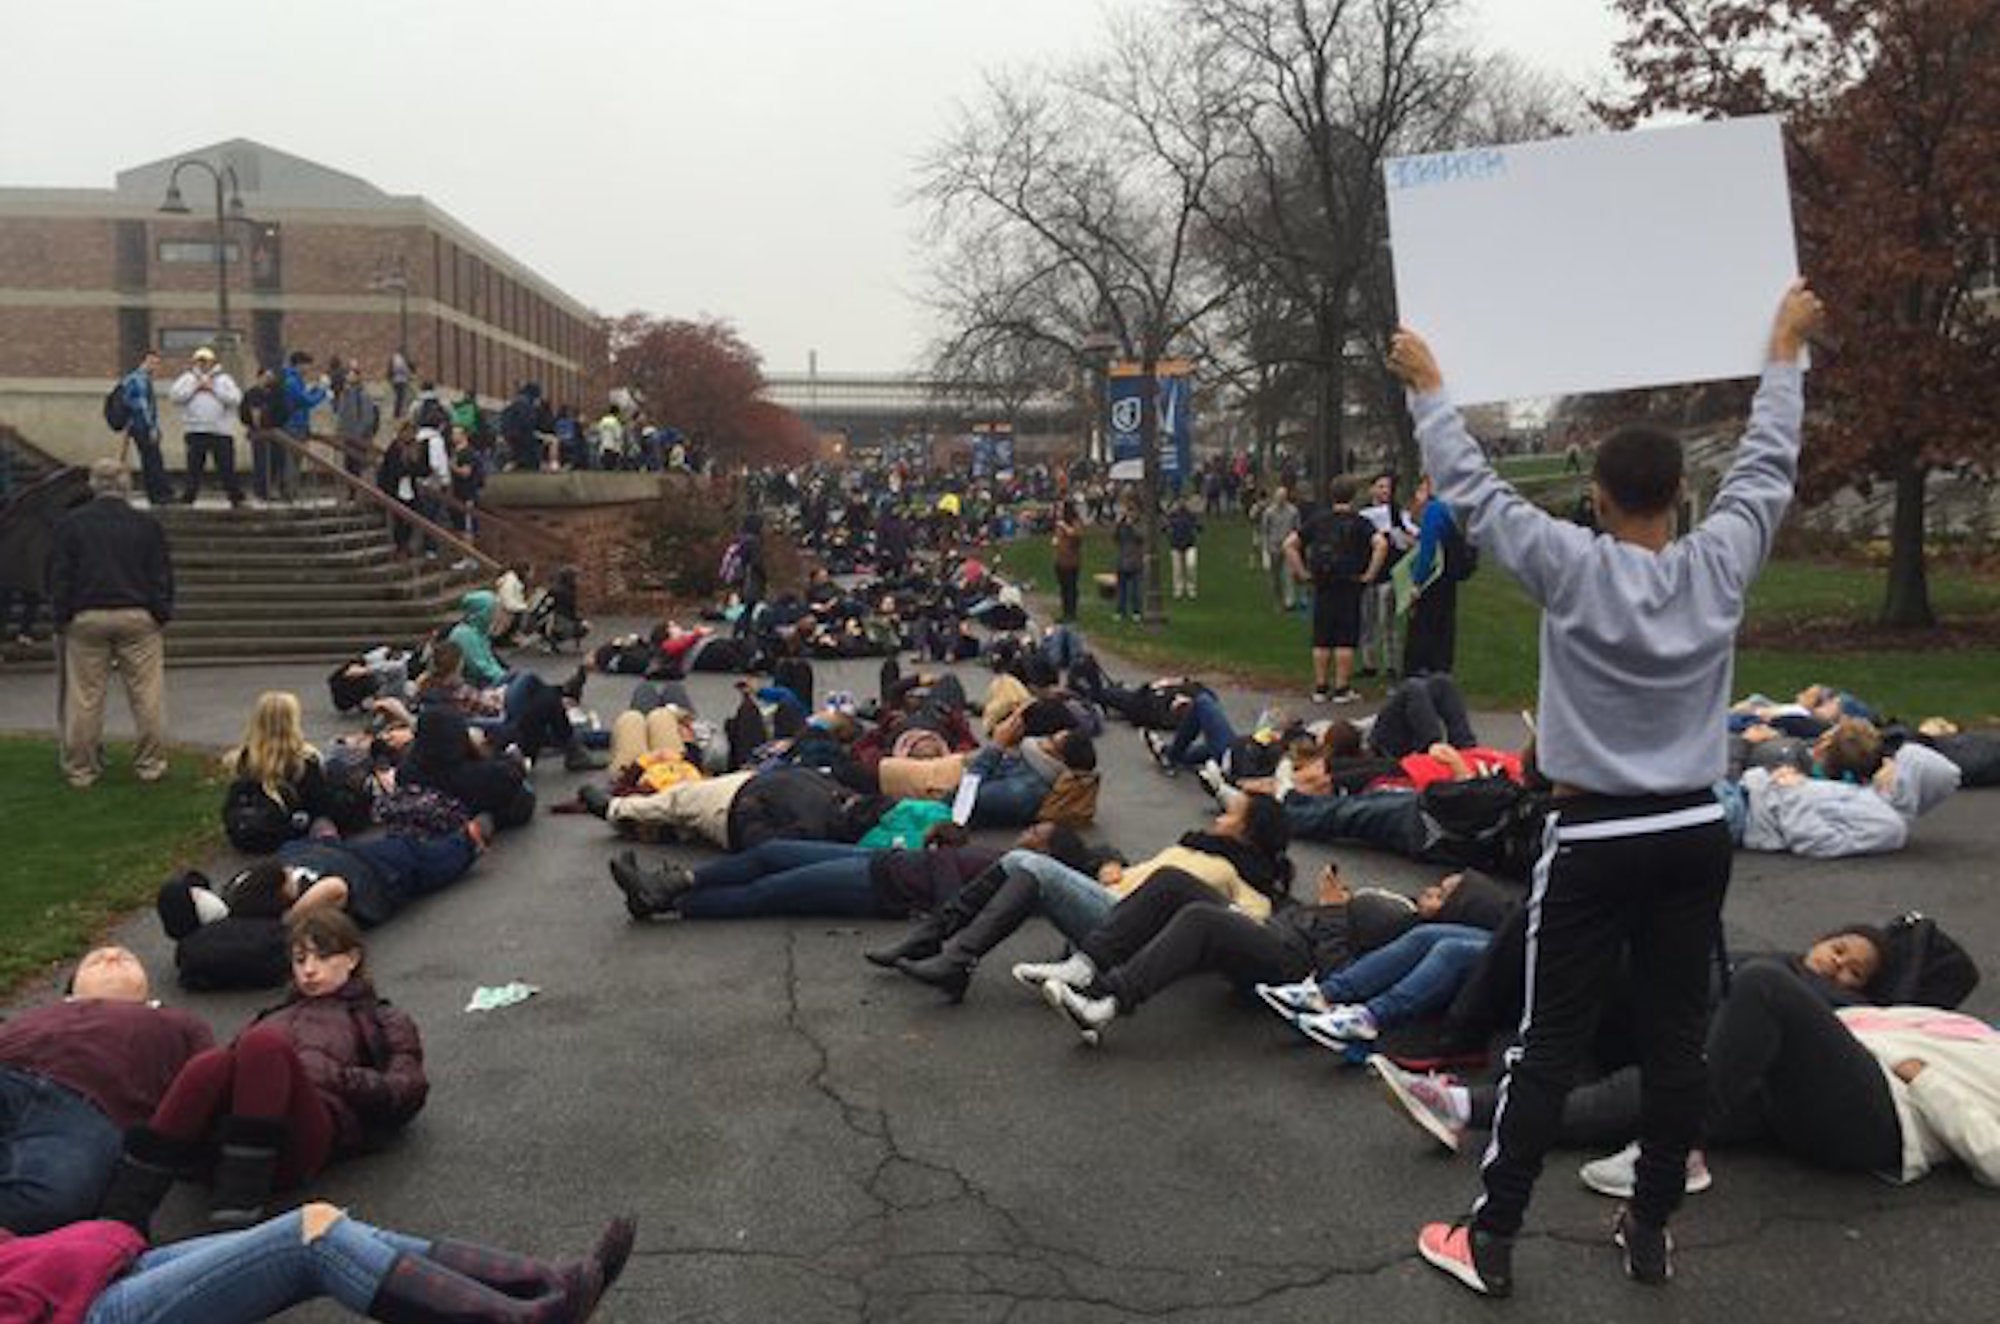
278	789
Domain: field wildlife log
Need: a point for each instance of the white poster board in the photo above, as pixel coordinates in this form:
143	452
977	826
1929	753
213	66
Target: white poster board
1599	263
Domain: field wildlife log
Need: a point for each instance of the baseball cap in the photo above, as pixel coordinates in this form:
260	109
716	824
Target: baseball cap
205	353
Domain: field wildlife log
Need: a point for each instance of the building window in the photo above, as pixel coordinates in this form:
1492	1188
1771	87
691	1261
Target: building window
176	340
197	250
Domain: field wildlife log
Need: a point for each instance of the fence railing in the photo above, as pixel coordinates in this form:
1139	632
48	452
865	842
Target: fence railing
398	513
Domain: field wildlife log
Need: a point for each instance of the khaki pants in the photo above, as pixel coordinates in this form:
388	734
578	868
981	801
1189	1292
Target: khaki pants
635	733
94	640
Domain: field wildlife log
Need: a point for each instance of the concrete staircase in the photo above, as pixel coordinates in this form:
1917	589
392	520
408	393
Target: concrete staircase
300	582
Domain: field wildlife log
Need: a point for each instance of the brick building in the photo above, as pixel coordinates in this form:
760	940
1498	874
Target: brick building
316	259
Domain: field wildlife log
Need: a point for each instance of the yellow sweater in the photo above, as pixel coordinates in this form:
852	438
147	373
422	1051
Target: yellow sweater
1213	870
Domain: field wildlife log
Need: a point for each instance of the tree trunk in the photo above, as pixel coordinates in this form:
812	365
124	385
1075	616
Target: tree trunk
1908	604
1329	455
1153	609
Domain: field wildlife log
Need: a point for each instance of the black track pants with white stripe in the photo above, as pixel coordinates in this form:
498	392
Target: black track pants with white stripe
1644	875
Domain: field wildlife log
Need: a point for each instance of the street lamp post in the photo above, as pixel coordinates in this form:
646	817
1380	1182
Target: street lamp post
175	205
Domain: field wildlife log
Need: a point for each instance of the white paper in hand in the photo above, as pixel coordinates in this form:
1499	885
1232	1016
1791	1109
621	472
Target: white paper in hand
1600	263
968	791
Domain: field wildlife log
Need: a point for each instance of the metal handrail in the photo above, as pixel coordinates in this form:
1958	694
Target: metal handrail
389	506
548	538
61	473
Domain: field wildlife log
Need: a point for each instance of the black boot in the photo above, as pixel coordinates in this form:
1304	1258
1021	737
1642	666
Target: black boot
146	1171
650	892
951	969
923	939
246	1171
595	799
420	1290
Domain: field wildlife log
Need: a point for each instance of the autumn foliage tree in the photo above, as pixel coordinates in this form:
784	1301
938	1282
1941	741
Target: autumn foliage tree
703	379
1892	112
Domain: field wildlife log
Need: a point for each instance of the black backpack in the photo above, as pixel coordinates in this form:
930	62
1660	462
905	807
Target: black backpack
254	822
1342	553
117	409
1924	966
1461	558
1493	824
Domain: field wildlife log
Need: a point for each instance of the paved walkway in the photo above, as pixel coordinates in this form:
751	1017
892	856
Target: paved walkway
806	1138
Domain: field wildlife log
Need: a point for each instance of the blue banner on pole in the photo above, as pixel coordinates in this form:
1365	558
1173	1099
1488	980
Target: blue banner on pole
1176	421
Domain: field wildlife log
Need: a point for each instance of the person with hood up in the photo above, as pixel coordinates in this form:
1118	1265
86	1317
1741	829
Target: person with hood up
534	708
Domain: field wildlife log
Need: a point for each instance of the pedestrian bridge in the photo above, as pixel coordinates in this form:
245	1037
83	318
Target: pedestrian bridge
879	405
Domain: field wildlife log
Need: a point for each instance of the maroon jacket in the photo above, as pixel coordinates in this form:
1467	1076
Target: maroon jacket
53	1278
363	1055
119	1055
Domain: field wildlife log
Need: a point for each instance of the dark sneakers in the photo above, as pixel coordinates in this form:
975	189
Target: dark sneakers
1481	1262
1649	1249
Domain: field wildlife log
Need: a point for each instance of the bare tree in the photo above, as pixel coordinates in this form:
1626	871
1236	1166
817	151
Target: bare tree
1068	211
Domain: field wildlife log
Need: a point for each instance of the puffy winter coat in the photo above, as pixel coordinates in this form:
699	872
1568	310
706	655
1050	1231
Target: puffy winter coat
799	804
363	1055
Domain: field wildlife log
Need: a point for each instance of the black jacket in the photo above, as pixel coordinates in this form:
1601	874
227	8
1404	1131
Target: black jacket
108	556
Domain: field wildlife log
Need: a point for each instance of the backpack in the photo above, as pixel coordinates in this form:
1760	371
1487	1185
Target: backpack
733	563
1493	824
421	811
255	822
1461	558
1343	552
117	409
1924	966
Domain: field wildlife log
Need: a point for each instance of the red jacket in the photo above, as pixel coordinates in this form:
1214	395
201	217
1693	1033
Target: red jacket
53	1278
363	1056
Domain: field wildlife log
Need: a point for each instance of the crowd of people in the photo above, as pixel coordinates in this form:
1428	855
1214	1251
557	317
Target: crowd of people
1572	930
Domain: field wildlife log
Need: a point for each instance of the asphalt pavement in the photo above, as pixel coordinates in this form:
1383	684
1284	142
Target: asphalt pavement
807	1138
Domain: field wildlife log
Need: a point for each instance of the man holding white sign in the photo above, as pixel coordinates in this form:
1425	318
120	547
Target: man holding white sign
1637	650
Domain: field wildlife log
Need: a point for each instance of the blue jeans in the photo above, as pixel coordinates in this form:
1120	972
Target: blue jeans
418	866
1010	792
1389	819
1418	973
786	878
1204	733
1074	903
56	1153
1062	646
1128	593
237	1277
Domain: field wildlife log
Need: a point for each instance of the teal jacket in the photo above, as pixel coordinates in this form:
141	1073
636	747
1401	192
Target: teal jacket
474	637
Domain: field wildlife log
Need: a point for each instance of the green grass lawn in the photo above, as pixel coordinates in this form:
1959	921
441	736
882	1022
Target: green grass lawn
75	860
1234	628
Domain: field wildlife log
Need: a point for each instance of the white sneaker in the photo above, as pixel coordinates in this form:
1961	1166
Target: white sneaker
1617	1175
1349	1023
1090	1016
1294	1000
1426	1100
1075	970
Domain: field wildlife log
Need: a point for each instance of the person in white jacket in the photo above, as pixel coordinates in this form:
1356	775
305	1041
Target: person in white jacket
208	398
1786	810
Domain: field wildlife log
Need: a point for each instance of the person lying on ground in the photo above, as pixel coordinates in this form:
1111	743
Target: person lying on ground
383	671
1241	858
1415	975
370	880
738	810
805	878
1976	753
1839	1087
102	1272
330	1071
525	712
1017	772
1150	706
1858	809
1812	711
74	1075
447	757
1419	714
1174	926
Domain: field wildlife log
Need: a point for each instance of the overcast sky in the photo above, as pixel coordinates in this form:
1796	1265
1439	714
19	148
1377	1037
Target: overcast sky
750	160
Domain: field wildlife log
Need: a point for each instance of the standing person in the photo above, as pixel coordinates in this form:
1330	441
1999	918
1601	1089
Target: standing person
142	426
301	398
402	467
1379	620
1637	645
262	413
400	371
111	593
756	578
1131	544
207	396
357	418
1341	554
1275	524
1443	560
1184	544
1068	543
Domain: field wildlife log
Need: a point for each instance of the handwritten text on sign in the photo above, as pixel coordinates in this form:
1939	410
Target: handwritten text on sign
1445	168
